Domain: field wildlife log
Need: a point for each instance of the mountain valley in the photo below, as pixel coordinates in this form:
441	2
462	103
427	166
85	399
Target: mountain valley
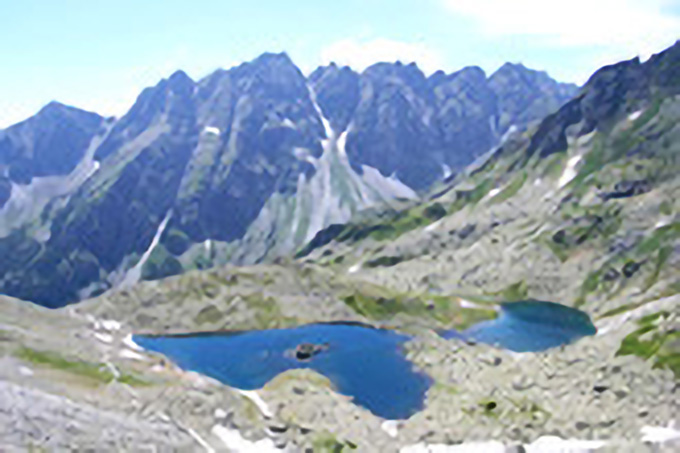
258	198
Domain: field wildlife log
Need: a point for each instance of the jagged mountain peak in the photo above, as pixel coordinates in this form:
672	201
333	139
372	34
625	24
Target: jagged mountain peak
437	77
249	162
170	102
331	68
525	94
179	80
52	106
669	73
274	58
474	74
469	74
661	70
406	79
54	114
519	73
270	74
265	59
49	143
470	71
269	65
407	71
509	66
55	109
337	91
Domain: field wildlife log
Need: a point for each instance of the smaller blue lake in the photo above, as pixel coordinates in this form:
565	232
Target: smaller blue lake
529	326
365	363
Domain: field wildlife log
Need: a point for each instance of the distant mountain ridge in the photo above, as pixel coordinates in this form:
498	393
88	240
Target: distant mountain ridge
242	166
392	109
50	143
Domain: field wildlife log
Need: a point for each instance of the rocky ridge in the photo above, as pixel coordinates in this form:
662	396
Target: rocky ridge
242	166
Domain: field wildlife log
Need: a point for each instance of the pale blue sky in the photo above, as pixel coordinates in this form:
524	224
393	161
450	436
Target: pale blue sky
98	55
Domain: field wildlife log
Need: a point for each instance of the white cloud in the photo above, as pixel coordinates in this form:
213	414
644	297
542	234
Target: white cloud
361	54
631	27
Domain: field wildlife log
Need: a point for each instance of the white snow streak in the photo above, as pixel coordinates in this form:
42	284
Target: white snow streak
554	444
253	396
132	355
25	371
234	441
391	427
200	441
210	130
335	191
494	192
104	338
569	172
635	115
446	170
660	434
129	342
387	187
134	274
110	324
433	226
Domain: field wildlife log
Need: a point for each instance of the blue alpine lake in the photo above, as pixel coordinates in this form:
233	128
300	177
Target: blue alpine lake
529	326
363	362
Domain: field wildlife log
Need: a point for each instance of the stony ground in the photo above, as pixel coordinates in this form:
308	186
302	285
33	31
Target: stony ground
86	386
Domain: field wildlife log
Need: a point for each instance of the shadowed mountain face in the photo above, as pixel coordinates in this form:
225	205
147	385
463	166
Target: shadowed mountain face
50	143
261	112
393	128
338	93
468	113
611	92
524	95
419	128
242	166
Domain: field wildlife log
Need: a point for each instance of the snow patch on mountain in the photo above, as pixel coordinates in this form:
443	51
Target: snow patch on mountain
28	201
387	188
569	172
331	195
134	274
335	192
635	115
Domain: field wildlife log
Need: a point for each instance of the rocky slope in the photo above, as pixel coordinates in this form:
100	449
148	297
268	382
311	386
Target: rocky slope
242	166
91	388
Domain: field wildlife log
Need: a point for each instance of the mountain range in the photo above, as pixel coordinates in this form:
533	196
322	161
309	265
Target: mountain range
242	166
